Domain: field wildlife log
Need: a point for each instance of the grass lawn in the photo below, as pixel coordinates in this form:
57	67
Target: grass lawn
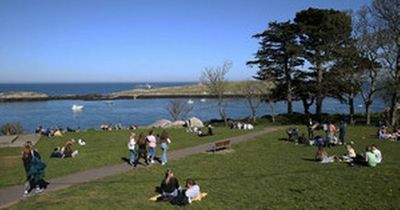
263	174
103	148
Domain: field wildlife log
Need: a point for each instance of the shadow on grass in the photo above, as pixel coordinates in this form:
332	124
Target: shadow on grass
309	159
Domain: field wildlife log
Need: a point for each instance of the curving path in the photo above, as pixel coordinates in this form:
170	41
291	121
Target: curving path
12	195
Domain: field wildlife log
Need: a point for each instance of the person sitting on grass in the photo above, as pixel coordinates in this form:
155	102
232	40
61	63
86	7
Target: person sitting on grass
169	187
67	149
323	157
142	150
350	154
368	160
56	153
191	192
377	153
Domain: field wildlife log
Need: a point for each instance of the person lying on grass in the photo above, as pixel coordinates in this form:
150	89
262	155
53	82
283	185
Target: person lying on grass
169	187
56	153
323	157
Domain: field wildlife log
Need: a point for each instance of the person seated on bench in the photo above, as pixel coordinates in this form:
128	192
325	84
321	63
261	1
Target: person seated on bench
56	153
169	187
323	157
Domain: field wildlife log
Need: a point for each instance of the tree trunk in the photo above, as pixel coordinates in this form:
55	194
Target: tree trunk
272	106
351	108
319	97
368	112
306	106
222	111
289	97
288	88
393	109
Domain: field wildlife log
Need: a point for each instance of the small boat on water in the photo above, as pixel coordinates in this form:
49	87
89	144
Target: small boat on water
109	102
203	100
77	108
190	101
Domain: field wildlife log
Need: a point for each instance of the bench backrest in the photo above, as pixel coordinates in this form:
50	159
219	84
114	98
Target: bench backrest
222	143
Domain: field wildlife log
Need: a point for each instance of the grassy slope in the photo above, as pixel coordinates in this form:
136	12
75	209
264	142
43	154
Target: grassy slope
266	173
103	148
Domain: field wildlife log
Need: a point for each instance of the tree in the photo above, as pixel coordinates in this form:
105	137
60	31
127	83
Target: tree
387	14
322	33
348	67
278	57
215	81
178	108
368	42
255	93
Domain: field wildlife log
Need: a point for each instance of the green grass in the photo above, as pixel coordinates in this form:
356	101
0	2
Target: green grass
263	174
103	148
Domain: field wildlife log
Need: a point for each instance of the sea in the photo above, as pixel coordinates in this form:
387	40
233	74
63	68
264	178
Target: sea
141	112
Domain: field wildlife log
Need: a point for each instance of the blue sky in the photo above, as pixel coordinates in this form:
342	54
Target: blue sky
136	40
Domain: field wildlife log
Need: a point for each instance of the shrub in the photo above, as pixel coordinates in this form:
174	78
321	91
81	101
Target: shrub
11	129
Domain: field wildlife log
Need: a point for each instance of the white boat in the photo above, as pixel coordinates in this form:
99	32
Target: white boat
76	108
190	101
203	100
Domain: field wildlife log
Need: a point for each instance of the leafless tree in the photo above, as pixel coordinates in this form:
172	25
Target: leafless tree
257	92
387	14
178	108
215	80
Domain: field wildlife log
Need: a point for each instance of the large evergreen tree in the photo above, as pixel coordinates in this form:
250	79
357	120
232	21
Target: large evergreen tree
322	33
278	57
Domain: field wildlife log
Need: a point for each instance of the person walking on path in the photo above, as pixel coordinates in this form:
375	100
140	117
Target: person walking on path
131	147
164	140
152	142
142	150
342	131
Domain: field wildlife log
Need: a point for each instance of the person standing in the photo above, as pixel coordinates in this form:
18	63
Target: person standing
152	142
164	140
342	131
142	150
131	147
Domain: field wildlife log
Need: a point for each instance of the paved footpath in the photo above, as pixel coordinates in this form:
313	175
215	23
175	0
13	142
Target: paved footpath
12	195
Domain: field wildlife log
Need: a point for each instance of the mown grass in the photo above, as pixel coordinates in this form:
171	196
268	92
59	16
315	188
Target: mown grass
103	148
267	173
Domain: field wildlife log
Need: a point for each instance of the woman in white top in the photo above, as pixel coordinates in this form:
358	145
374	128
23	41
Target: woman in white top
131	147
377	153
193	190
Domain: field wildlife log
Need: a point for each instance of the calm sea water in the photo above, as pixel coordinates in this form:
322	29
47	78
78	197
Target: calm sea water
140	112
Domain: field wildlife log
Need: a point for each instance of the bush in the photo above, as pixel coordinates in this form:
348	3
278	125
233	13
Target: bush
11	129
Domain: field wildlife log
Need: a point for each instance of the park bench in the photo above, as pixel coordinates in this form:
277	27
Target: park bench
219	146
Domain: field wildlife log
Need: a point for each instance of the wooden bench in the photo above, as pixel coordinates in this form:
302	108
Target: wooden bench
219	146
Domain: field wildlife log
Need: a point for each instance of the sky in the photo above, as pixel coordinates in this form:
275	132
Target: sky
136	40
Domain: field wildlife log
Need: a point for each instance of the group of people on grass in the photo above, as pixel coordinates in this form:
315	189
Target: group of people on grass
66	151
54	132
371	157
383	133
118	126
138	147
171	191
330	130
34	169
